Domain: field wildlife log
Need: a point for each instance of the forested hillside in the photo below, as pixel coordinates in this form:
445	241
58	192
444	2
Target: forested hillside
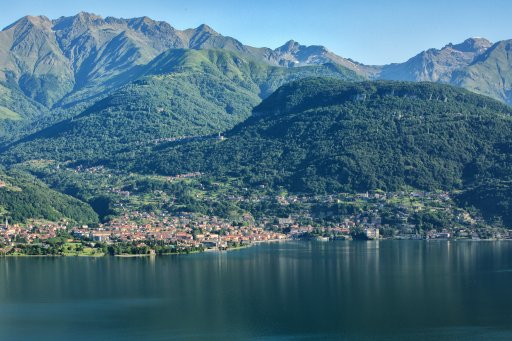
137	95
185	93
323	135
23	197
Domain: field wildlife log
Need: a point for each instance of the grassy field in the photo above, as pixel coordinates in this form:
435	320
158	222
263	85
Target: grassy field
7	114
77	249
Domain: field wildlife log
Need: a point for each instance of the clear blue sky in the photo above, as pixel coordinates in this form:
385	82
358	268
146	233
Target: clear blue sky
369	31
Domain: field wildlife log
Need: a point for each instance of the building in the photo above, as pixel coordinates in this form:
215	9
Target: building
372	233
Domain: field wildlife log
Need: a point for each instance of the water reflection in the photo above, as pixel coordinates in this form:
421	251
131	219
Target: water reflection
330	290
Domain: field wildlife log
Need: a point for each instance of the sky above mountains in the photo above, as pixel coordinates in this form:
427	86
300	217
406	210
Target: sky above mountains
369	31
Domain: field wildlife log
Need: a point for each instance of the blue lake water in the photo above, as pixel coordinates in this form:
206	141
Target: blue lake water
387	290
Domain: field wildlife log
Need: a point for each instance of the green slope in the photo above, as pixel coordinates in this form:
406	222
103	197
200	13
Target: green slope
22	197
493	198
184	93
324	135
18	113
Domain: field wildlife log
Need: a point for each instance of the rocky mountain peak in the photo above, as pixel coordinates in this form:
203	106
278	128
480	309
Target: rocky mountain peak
142	23
206	29
81	21
30	21
88	18
289	46
474	45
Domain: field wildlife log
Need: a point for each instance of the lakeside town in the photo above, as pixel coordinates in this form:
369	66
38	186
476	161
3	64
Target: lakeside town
134	232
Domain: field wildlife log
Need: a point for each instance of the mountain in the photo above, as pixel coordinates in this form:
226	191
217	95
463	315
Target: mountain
490	73
22	197
70	61
183	93
476	65
60	67
325	136
293	54
436	65
54	69
80	56
137	95
72	58
30	57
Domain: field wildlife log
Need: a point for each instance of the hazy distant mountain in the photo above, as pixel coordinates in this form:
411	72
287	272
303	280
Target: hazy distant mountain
294	54
476	64
80	56
490	73
436	65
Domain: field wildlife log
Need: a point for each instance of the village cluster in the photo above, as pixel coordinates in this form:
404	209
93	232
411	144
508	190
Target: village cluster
191	231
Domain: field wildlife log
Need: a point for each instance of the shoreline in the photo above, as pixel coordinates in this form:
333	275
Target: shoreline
239	248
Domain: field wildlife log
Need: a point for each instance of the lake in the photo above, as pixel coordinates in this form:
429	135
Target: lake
386	290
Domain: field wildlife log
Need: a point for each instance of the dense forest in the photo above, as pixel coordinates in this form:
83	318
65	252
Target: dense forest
184	93
23	197
323	135
311	136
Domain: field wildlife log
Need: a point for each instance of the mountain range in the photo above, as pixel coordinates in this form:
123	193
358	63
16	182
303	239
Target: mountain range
57	62
69	60
137	95
54	69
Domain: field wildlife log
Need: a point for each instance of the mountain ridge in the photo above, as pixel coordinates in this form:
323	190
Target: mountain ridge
54	69
88	48
68	60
